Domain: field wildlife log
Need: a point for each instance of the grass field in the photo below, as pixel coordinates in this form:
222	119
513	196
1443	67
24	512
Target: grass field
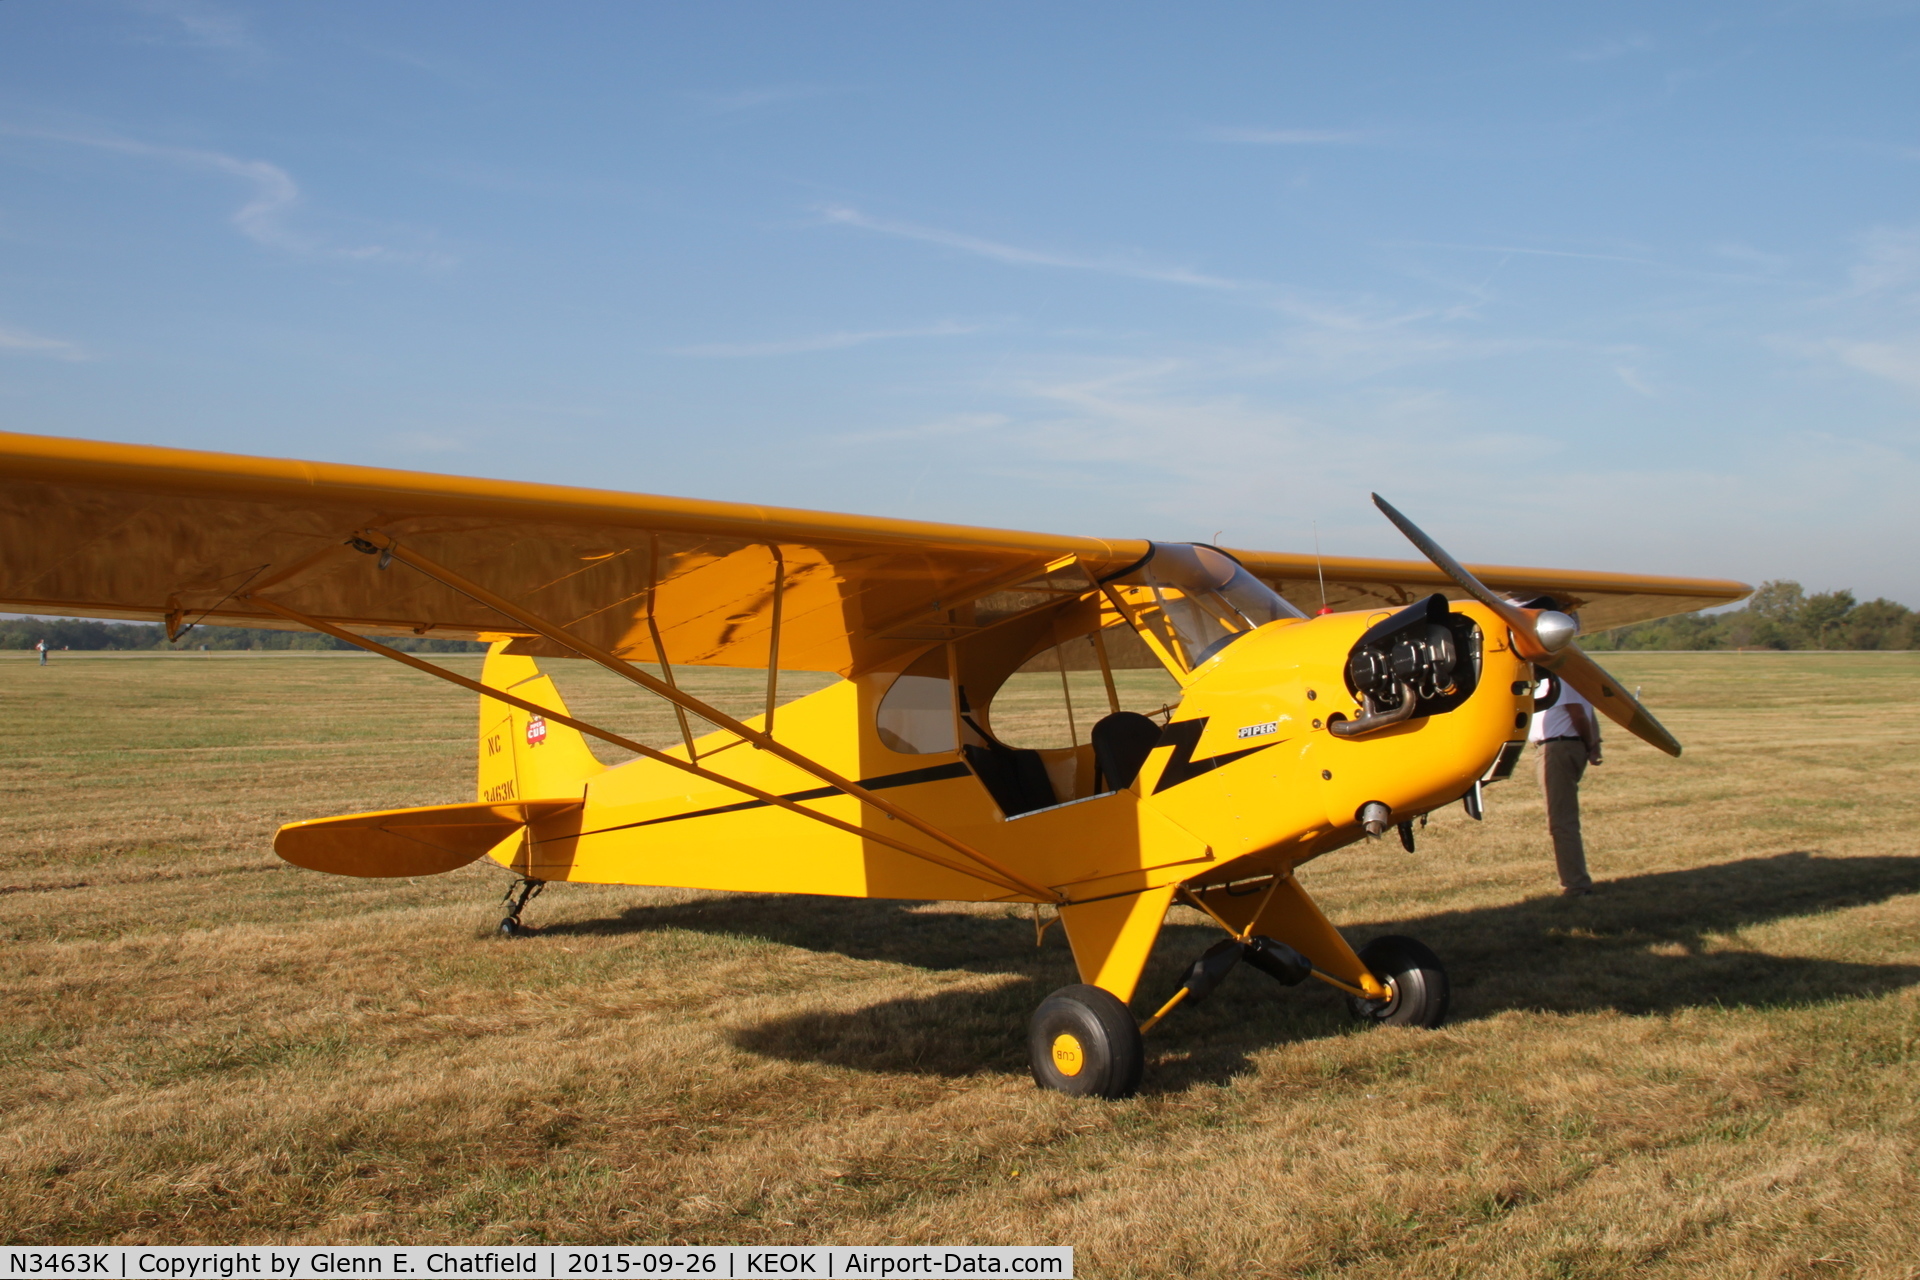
1710	1069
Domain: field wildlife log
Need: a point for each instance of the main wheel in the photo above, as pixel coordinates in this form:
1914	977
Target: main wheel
1084	1042
1416	980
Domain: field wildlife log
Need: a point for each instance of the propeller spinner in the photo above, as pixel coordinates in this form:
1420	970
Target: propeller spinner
1544	638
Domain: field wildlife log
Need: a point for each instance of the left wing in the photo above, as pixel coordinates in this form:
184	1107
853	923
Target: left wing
131	531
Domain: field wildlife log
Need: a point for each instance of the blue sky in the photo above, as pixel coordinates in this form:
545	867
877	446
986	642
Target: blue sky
1614	286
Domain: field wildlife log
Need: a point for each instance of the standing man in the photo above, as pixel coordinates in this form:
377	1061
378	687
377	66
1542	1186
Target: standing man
1566	738
42	647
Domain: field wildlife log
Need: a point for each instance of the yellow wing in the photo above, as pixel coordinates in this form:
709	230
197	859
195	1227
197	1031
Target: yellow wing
1603	600
131	531
128	531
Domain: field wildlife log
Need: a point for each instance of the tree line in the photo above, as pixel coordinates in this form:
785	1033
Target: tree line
83	633
1780	615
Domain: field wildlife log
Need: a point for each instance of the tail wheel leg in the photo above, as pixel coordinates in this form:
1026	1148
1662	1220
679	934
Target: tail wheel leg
1416	981
523	892
1083	1041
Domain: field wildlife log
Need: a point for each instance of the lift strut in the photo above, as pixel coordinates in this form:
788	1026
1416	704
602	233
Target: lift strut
1012	884
681	698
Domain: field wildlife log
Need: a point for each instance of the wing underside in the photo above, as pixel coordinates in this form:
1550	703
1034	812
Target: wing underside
1603	600
135	532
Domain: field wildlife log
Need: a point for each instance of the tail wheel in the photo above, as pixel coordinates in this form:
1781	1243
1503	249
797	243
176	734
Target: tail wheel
1083	1041
1416	982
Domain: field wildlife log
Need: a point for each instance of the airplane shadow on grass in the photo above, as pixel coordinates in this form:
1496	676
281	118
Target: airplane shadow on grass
1644	945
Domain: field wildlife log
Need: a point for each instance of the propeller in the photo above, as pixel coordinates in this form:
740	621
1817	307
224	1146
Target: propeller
1545	638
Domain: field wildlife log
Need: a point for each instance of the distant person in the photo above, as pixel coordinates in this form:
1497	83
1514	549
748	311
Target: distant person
1566	739
42	647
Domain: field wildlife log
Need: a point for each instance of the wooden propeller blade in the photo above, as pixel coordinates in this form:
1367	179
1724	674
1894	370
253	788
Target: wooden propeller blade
1605	693
1570	663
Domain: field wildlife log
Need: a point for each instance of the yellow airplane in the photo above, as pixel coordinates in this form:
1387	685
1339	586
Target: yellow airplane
1291	735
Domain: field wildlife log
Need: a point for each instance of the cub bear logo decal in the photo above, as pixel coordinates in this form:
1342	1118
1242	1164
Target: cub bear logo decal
536	731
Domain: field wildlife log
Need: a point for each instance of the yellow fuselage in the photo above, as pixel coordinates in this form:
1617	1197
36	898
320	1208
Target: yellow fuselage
1248	781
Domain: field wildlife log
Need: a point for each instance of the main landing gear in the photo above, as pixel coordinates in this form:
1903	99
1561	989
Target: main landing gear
1083	1040
522	892
1416	982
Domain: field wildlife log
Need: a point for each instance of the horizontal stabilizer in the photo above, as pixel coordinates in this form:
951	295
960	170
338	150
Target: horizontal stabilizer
408	842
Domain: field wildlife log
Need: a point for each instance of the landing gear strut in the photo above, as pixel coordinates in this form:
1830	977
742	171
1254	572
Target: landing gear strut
523	892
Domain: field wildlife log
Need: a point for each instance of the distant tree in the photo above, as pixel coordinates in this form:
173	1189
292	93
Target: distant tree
1776	600
1878	624
1779	615
84	633
1822	613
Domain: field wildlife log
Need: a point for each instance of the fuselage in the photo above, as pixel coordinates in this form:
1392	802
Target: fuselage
1248	777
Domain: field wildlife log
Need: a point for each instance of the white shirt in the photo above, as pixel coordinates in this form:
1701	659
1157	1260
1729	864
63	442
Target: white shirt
1554	722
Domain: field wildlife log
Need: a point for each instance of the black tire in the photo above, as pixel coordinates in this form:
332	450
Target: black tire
1416	978
1083	1041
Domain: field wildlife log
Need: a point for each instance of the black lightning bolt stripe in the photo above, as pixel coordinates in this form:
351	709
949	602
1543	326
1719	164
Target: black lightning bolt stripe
1183	736
908	778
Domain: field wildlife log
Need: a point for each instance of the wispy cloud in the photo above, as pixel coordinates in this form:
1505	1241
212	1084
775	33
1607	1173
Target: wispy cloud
1016	255
1631	376
1291	137
1167	441
1548	253
1767	264
1889	259
1760	260
201	25
263	218
1870	325
21	342
822	342
1167	444
1897	361
958	424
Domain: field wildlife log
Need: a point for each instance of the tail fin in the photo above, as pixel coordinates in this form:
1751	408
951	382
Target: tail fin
523	756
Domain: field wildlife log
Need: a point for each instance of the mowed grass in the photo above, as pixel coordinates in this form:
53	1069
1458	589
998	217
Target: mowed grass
1711	1069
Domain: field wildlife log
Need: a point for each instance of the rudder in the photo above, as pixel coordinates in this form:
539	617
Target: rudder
524	756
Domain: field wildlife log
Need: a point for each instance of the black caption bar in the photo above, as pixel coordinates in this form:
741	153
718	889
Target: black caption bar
533	1262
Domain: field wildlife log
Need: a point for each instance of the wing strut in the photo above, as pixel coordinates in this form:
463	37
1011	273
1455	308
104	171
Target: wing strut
773	634
1011	882
659	645
679	697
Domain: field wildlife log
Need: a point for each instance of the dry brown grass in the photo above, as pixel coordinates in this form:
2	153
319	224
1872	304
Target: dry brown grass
1707	1070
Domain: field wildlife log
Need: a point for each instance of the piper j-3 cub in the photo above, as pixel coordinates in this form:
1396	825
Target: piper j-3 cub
1289	736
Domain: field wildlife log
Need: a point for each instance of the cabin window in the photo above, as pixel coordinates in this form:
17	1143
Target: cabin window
1198	600
915	716
1043	708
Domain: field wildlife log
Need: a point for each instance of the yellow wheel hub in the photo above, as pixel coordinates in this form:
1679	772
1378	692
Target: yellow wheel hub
1068	1057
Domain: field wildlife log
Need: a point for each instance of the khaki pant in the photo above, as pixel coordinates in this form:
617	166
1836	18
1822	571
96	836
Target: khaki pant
1562	764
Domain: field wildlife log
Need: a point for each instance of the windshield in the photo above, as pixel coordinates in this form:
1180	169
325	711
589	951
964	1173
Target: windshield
1198	599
